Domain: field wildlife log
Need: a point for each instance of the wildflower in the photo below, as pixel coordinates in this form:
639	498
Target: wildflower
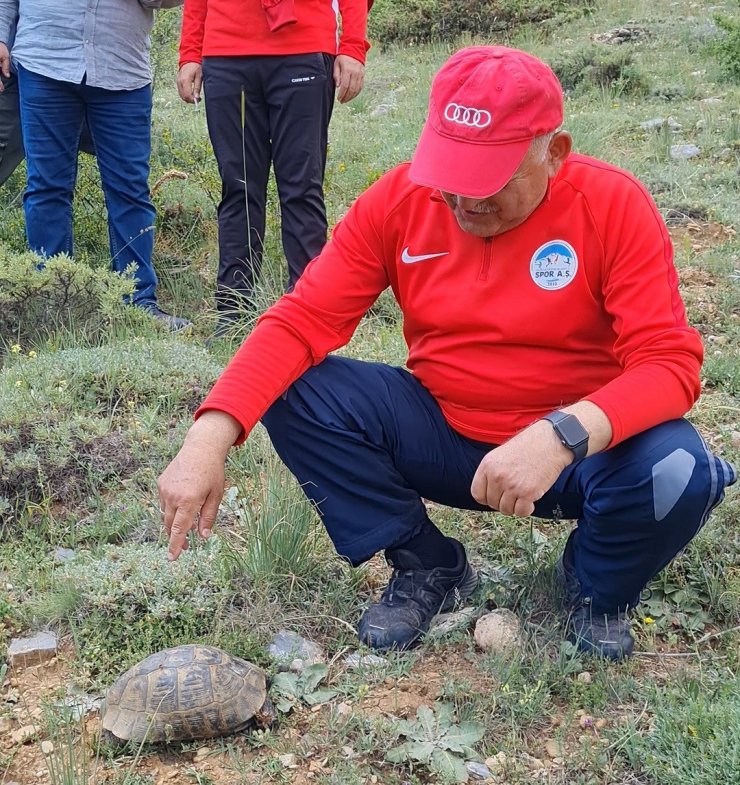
649	620
19	383
342	167
32	354
15	348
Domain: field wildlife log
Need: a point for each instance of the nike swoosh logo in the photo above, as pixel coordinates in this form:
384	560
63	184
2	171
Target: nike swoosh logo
407	258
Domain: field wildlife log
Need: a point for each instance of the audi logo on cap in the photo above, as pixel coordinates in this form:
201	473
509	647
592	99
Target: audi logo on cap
466	115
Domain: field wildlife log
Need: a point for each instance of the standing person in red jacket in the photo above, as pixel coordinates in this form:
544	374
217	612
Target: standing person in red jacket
550	365
270	69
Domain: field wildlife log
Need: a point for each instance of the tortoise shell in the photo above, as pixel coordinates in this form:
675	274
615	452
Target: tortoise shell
188	692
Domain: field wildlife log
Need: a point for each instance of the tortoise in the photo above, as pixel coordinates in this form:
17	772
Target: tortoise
185	693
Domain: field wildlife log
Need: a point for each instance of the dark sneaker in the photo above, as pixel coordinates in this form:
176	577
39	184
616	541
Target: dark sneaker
174	324
414	596
604	634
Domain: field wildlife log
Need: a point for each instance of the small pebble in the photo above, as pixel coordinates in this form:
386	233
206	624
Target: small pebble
47	747
584	677
553	748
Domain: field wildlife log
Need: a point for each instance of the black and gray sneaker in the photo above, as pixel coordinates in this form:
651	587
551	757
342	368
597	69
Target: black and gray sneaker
605	634
414	596
174	324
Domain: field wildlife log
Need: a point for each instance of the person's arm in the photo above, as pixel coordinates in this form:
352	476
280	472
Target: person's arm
349	66
8	20
319	316
190	74
660	354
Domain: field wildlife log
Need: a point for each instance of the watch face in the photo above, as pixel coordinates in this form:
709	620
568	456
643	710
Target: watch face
572	431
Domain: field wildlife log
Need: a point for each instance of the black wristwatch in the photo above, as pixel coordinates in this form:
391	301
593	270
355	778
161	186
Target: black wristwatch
570	432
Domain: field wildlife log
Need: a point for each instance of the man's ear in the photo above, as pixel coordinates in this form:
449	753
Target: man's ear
558	150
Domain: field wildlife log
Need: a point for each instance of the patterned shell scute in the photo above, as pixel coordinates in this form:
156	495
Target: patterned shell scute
189	692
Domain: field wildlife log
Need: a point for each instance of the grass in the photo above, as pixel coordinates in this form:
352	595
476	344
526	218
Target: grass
91	411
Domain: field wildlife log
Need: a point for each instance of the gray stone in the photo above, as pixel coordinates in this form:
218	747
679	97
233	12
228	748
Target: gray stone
711	101
23	652
380	110
77	704
683	152
447	623
658	122
354	660
478	771
292	652
64	554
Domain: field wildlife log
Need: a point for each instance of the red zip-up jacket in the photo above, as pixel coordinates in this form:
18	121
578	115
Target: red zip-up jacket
215	28
578	302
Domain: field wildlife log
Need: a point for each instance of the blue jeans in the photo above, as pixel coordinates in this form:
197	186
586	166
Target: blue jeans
368	442
52	117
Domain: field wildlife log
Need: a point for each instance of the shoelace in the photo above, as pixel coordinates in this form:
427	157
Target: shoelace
402	586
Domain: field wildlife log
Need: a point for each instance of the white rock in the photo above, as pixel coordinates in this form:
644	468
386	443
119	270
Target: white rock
289	761
47	747
293	652
478	771
498	631
584	677
22	735
659	122
684	151
354	660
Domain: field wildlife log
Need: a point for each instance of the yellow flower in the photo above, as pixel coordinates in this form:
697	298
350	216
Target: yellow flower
15	348
19	383
32	354
649	620
693	731
342	167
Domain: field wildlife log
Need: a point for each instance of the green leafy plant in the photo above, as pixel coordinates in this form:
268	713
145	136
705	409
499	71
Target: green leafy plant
727	49
425	20
288	690
435	740
65	294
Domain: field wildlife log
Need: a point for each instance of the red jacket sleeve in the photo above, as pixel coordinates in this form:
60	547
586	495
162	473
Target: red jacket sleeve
191	36
661	355
354	29
319	316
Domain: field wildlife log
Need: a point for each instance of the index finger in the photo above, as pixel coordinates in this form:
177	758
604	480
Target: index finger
183	522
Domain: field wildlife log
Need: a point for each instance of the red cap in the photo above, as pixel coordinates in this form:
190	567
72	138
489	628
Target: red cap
486	105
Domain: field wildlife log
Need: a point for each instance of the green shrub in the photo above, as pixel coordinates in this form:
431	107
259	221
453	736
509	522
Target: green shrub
416	21
600	67
70	420
65	294
129	602
727	49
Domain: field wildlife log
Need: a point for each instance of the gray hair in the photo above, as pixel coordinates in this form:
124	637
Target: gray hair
539	146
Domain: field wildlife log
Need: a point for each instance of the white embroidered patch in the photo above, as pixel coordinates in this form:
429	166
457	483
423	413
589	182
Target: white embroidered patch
554	265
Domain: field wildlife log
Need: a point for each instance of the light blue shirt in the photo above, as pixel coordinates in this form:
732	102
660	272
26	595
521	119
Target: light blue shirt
104	42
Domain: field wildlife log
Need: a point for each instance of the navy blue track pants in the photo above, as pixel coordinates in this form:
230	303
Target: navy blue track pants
367	442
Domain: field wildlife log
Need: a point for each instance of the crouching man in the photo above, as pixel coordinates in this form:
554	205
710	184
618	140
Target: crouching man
550	364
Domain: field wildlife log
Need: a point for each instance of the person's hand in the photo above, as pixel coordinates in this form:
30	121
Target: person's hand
512	477
349	76
189	82
4	64
191	487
